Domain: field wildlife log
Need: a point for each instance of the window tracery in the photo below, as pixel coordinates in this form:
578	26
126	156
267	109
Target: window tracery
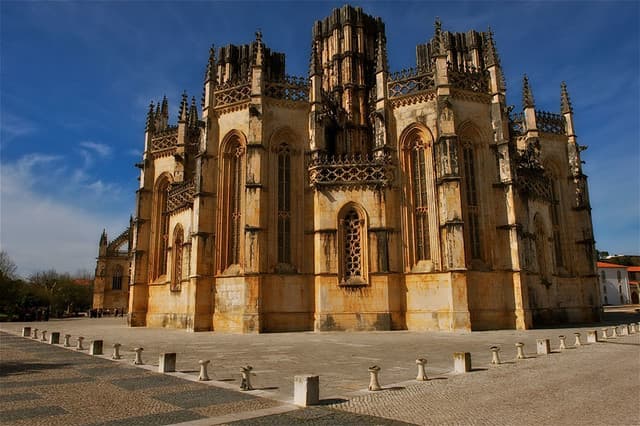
472	210
284	204
420	201
352	247
161	228
176	275
116	280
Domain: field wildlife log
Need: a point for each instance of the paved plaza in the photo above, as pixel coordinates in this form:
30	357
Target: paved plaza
48	384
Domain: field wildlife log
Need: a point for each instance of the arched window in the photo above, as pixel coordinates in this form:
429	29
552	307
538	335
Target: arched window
353	262
160	228
176	251
472	204
284	204
231	203
116	280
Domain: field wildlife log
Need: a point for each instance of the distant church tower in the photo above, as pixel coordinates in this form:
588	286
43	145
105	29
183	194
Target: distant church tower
359	198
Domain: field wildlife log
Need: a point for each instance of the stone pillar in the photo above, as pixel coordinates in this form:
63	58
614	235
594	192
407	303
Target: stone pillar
615	331
306	390
167	362
543	346
138	360
54	338
203	376
495	358
592	336
422	375
374	384
563	342
26	331
67	344
95	347
79	343
461	362
520	349
578	342
116	351
44	336
35	333
604	334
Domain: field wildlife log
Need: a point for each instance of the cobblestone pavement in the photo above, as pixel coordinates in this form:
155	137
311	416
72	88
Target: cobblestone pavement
595	384
42	384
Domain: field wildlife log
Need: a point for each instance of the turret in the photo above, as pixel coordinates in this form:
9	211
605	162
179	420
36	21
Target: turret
102	250
566	110
492	64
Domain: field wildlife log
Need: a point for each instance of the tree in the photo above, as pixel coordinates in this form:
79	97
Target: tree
8	267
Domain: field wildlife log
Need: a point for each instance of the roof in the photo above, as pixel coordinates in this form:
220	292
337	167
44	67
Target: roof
610	265
633	268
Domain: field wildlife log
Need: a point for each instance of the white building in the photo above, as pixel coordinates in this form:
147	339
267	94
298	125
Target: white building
614	280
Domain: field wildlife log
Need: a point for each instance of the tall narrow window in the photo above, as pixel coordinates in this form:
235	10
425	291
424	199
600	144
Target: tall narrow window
161	229
555	222
420	201
236	214
352	248
471	197
176	251
116	280
284	204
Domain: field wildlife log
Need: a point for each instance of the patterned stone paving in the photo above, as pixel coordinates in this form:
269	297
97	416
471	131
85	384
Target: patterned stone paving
43	384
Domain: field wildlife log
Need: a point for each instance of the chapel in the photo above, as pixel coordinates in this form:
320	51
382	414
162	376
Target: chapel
361	198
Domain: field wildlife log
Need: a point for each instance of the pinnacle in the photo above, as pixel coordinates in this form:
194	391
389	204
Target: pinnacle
565	102
527	96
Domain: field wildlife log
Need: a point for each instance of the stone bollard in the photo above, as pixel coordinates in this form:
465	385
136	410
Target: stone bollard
79	343
374	384
543	347
520	349
138	360
43	337
95	347
422	375
306	390
245	383
563	343
624	330
167	363
495	357
116	351
461	362
592	336
67	344
203	377
604	334
35	333
578	342
26	331
632	328
615	332
54	338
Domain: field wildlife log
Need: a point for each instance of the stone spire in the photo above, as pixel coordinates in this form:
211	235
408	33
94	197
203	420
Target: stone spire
259	50
315	68
210	74
151	119
163	116
381	54
565	102
527	96
193	113
491	58
182	114
438	47
103	237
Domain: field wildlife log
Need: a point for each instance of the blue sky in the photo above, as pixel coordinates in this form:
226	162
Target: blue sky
76	79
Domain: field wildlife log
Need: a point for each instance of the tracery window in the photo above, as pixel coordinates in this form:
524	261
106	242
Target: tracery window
472	210
420	201
176	250
116	280
284	204
161	228
353	262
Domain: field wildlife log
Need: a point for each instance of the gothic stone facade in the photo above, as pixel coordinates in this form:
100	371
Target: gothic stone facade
360	199
111	283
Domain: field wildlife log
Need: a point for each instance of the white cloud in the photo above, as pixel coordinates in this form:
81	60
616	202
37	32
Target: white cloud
99	148
12	126
51	216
